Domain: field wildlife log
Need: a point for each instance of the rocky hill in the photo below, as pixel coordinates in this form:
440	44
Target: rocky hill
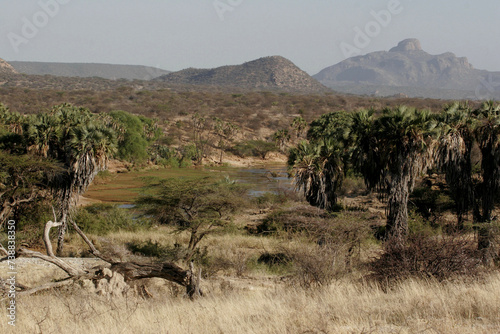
268	73
6	68
87	70
409	70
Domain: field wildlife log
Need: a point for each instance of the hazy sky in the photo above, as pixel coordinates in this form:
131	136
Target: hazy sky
176	34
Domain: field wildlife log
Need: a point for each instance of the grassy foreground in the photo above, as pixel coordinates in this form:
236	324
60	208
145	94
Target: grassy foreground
344	307
245	296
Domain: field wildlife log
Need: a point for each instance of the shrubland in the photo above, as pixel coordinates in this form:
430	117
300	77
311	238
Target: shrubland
320	260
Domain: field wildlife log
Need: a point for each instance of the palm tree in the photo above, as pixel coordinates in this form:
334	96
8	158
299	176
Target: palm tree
88	149
42	134
299	124
456	140
395	149
487	134
13	120
281	137
365	152
318	171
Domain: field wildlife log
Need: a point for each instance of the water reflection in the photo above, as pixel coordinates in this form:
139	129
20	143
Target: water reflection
261	179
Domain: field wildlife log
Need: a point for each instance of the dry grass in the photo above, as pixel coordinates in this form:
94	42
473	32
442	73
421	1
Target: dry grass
344	307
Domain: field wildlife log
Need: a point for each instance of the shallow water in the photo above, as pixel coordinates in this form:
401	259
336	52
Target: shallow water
262	179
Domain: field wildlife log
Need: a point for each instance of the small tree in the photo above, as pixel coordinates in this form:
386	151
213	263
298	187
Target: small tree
22	179
225	132
202	136
198	206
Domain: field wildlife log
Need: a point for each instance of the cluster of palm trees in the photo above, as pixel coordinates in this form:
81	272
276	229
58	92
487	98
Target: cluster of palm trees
391	148
78	140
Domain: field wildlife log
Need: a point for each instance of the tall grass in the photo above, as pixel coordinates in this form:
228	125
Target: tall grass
414	306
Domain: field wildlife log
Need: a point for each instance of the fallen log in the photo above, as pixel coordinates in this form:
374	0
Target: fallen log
130	270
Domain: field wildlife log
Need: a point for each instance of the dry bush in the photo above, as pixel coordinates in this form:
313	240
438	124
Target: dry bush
439	257
314	266
330	244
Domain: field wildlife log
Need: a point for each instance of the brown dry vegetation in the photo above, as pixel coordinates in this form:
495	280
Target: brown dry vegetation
264	305
250	110
244	295
325	290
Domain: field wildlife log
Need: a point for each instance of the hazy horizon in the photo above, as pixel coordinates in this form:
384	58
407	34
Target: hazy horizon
174	35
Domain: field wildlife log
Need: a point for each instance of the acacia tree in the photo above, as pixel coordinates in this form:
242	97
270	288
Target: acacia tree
198	206
22	179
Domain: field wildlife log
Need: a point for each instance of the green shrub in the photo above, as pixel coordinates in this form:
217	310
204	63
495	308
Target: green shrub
104	218
173	253
253	148
136	139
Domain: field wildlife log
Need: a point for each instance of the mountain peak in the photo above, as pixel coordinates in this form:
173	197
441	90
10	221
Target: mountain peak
274	72
410	44
408	69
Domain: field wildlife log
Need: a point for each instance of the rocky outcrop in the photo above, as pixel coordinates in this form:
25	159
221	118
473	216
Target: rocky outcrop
408	66
6	68
410	44
268	73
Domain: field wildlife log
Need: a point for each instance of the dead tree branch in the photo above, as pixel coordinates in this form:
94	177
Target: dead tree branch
130	270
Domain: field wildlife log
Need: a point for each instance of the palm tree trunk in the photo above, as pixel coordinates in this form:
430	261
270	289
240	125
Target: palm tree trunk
489	188
397	217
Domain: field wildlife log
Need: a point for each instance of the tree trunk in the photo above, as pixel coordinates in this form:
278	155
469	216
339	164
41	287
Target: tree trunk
61	233
488	190
397	217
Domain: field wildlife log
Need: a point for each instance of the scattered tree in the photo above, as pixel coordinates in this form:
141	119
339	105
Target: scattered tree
198	205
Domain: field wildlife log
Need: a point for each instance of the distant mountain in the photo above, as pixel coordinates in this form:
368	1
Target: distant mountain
84	70
6	68
268	73
409	70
